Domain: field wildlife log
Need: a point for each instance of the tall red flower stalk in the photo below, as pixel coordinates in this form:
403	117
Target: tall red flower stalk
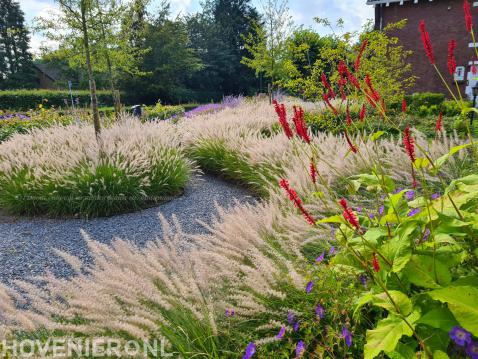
404	106
345	72
297	201
342	83
313	171
300	125
409	144
468	17
349	214
427	44
352	147
329	105
451	57
326	84
348	117
439	123
375	263
282	114
360	54
362	113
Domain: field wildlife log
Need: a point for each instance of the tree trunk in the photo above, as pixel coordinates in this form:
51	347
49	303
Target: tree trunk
86	44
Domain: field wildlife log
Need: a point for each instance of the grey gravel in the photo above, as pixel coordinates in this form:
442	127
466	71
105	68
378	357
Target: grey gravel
27	244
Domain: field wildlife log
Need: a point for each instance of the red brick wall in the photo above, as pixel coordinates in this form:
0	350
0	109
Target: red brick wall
445	21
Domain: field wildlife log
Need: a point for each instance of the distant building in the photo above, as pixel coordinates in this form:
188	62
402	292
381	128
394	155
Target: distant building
445	21
47	76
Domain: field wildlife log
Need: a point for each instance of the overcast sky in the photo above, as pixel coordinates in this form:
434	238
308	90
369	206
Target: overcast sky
354	12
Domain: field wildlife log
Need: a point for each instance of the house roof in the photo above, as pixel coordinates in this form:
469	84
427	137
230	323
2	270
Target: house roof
52	72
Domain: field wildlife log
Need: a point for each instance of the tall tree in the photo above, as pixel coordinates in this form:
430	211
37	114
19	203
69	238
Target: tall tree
16	66
267	44
217	34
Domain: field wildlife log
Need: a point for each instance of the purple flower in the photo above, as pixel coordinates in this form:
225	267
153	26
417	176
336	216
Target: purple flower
331	251
309	287
363	280
472	350
359	209
319	311
281	333
460	336
381	210
296	327
426	235
299	349
371	216
398	190
347	336
413	212
250	351
320	258
436	196
410	195
290	317
230	312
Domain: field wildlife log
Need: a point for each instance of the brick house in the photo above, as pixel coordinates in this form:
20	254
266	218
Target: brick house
445	21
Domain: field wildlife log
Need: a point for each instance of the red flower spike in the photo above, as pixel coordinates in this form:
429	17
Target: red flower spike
326	84
375	263
359	57
313	172
468	17
362	113
404	106
451	63
409	144
349	214
352	147
344	72
300	125
282	114
329	105
297	201
349	118
427	44
439	123
473	69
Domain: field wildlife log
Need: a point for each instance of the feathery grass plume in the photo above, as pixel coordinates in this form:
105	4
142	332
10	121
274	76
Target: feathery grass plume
63	171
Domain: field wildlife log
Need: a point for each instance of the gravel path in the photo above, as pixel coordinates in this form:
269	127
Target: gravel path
26	245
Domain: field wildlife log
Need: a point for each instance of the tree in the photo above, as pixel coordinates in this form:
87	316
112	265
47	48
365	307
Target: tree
267	43
169	63
73	28
16	66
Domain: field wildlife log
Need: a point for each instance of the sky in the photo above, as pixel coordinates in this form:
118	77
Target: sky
354	12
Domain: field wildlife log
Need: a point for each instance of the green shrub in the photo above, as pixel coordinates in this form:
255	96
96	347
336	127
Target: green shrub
24	100
61	171
163	112
426	99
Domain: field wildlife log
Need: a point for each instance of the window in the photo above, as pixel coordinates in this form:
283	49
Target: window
460	73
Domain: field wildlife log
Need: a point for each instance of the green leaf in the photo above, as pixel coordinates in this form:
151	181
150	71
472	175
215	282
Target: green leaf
375	136
462	302
402	351
334	219
364	299
421	163
426	272
441	160
385	337
400	299
440	318
373	234
438	354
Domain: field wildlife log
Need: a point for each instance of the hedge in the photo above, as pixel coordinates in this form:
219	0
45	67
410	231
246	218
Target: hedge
24	100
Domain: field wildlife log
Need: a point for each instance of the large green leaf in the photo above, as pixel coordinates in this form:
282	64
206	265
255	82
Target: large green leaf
440	318
386	336
402	351
426	272
441	160
400	299
463	303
